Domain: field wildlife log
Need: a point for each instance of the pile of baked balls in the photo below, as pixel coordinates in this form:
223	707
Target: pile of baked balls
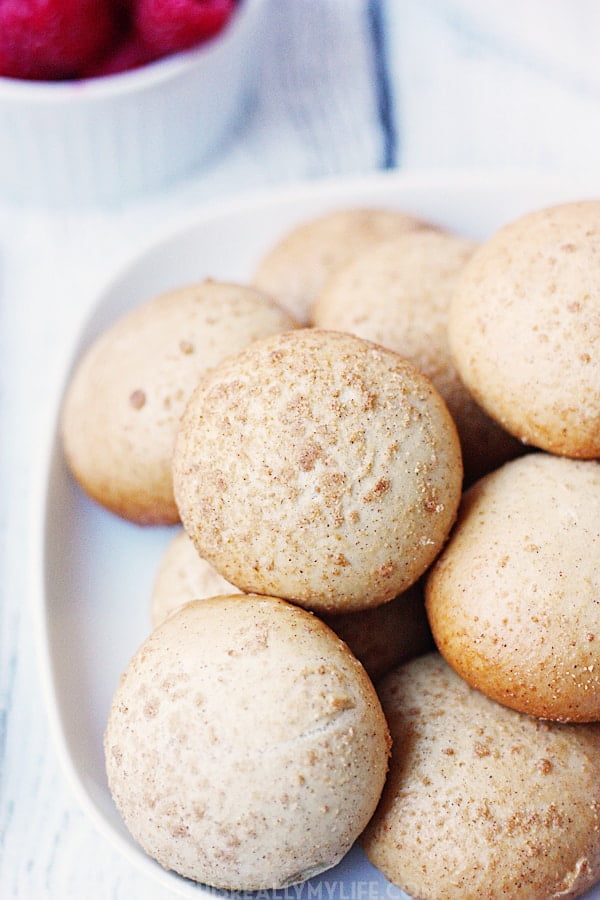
379	615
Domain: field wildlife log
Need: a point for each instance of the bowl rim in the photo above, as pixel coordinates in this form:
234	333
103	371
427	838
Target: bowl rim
146	76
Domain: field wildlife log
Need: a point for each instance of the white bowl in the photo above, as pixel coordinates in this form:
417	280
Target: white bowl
105	139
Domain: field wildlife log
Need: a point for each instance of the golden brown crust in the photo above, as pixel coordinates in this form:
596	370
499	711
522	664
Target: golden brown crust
318	467
514	599
524	328
480	800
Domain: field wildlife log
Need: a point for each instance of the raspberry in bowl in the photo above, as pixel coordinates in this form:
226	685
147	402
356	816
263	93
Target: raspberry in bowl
103	100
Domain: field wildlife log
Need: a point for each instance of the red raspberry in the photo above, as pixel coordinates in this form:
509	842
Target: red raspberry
129	53
53	39
168	26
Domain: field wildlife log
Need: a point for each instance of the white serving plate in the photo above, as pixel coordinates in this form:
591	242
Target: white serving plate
92	584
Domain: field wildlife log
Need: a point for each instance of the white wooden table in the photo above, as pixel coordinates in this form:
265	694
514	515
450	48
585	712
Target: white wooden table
344	87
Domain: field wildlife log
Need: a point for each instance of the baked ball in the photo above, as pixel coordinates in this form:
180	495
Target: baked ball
320	468
245	747
182	575
524	328
397	293
295	269
381	637
480	800
126	396
514	599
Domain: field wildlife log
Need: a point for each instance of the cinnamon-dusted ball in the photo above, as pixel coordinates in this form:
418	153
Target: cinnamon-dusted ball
397	293
245	747
299	264
524	328
127	393
318	467
514	599
480	800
